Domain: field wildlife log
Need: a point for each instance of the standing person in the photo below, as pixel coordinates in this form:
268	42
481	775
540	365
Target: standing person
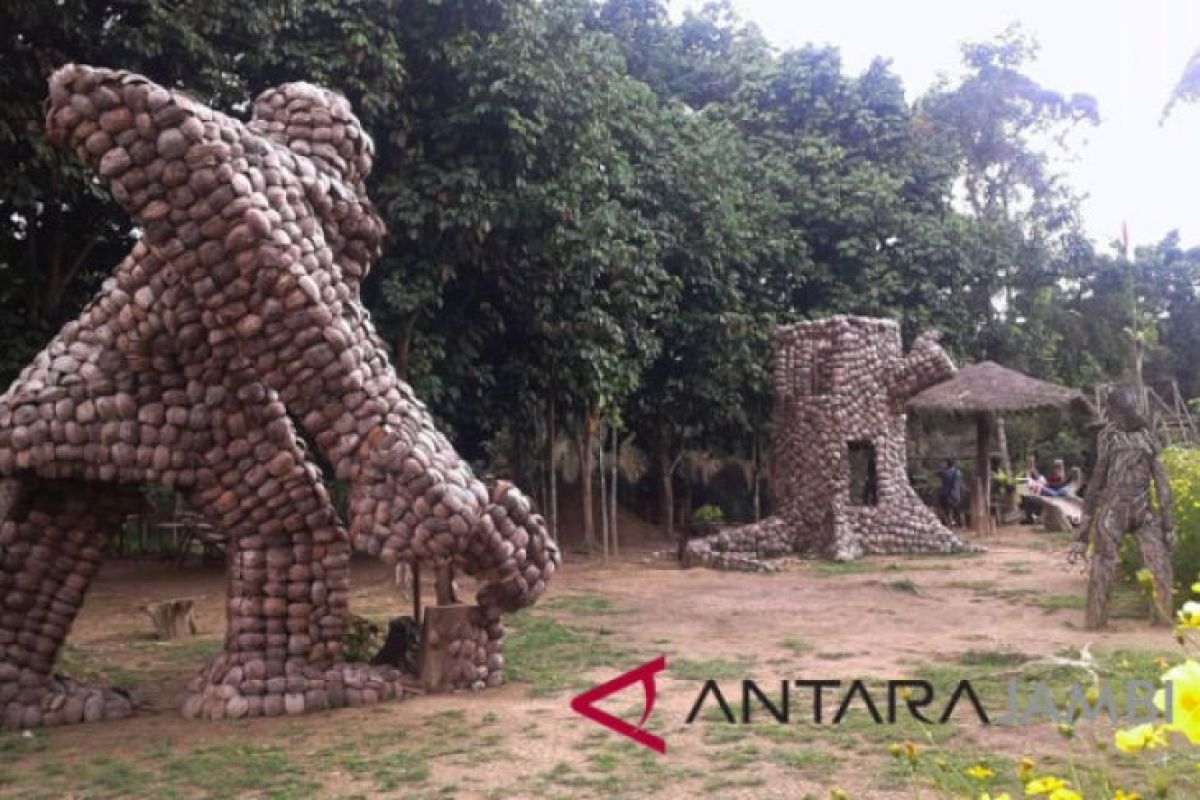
950	494
1118	502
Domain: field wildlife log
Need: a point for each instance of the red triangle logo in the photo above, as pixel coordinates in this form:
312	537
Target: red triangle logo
585	703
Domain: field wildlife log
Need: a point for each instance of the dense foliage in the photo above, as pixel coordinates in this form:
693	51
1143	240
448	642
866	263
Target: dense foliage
597	214
1183	472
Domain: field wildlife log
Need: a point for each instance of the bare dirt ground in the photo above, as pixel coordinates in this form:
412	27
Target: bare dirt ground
1006	613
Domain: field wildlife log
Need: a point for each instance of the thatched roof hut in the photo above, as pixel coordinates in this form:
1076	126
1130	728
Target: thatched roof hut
984	391
989	388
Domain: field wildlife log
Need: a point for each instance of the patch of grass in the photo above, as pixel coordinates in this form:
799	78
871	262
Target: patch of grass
827	569
115	776
551	656
903	585
796	644
834	655
583	605
992	658
1017	567
83	665
180	651
1059	602
390	770
717	668
737	757
975	586
807	760
718	785
613	768
235	767
18	744
723	733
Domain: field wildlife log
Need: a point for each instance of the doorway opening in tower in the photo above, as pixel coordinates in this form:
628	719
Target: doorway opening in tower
864	483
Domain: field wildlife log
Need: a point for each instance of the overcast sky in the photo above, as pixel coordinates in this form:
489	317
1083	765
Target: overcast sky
1127	53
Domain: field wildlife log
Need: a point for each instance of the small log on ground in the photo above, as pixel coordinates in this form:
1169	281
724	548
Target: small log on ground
173	618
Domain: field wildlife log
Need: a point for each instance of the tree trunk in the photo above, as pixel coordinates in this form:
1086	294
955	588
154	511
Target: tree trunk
551	438
1002	444
613	489
604	529
685	515
587	440
444	584
666	491
403	345
1008	502
756	478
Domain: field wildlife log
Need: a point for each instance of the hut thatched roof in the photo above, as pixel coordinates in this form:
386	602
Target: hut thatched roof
988	387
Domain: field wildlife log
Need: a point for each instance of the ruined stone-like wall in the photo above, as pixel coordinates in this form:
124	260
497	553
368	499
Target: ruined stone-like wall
839	380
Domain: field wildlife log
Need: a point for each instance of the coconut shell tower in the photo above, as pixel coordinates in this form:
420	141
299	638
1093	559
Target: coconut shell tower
838	448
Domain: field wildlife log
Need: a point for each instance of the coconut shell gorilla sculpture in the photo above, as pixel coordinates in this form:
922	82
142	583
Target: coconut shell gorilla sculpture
230	336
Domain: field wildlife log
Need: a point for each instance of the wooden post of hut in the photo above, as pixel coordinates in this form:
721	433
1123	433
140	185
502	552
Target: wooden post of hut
981	490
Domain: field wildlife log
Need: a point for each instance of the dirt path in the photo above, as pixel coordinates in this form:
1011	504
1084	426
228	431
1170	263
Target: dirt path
880	618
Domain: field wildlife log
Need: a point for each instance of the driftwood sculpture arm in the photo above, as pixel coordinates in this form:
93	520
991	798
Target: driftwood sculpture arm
1091	500
1166	500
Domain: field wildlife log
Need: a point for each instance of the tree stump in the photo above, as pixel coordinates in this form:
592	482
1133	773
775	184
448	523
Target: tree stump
173	618
448	647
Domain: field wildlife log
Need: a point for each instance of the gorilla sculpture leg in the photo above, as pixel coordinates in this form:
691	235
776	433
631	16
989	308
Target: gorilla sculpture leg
53	535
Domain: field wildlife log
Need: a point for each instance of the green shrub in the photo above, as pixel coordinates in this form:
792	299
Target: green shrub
1183	472
708	514
362	639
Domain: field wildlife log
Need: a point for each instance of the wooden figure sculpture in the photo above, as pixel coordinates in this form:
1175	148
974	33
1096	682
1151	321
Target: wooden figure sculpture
229	342
1118	502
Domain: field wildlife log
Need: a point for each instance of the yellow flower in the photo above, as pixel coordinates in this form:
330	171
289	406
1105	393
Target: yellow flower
1025	769
910	750
1065	793
1189	615
1196	588
981	772
1185	695
1131	740
1001	796
1045	785
1121	794
837	794
1145	577
1066	730
895	749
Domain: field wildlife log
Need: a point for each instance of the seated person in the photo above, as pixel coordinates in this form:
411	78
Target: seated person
1056	480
